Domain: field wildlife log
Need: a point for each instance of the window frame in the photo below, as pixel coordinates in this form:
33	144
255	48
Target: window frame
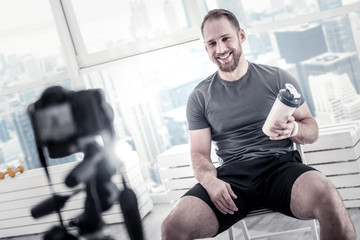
196	10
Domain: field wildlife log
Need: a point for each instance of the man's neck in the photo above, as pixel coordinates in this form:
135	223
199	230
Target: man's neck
237	73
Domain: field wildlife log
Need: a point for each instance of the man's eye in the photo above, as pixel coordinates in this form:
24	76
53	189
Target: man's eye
226	38
212	44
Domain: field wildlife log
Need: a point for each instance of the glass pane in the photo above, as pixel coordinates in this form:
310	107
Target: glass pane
112	23
29	54
17	143
29	44
149	94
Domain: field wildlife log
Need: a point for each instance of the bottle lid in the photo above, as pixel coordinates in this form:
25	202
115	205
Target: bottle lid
290	96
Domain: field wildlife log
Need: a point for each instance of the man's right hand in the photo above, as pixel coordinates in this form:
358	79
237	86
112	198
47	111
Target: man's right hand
222	196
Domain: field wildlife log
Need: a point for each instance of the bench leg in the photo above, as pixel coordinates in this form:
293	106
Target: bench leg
314	231
245	230
231	234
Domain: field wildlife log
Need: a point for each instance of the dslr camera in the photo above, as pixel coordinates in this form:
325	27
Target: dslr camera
65	122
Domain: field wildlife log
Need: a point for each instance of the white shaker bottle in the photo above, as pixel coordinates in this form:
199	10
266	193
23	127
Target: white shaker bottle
287	101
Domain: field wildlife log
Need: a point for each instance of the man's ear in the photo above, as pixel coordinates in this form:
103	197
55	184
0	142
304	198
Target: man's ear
242	35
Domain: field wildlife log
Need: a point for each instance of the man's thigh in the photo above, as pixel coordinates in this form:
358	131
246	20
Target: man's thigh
277	189
242	201
194	216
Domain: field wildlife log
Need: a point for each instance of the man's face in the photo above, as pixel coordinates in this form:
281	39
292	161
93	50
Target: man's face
223	43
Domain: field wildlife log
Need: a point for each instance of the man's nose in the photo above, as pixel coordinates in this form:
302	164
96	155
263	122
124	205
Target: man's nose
220	47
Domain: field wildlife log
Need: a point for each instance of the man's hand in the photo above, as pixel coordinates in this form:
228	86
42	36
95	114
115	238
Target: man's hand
283	130
222	196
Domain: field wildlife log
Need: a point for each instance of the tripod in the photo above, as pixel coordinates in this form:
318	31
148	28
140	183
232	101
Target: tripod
95	171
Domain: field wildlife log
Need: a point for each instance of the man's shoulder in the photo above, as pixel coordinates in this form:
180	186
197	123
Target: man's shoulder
204	84
210	78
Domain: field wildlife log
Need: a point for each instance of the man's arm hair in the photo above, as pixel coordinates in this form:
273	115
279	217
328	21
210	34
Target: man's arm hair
308	130
200	149
220	192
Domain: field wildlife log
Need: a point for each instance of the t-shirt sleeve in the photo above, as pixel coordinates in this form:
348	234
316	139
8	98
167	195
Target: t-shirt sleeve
195	112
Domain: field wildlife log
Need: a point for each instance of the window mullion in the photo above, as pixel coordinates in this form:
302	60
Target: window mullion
63	26
74	29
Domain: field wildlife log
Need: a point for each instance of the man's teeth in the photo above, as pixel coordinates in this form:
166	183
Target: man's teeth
224	57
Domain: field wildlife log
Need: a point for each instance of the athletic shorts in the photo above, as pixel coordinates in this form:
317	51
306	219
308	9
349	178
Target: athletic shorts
258	184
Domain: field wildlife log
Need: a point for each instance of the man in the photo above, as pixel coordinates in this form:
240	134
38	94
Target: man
229	109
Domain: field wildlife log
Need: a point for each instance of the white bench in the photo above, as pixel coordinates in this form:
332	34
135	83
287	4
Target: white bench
21	193
337	155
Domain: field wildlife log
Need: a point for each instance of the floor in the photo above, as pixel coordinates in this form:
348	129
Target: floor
257	225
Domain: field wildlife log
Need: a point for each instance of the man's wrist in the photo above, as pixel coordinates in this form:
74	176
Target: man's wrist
207	179
295	129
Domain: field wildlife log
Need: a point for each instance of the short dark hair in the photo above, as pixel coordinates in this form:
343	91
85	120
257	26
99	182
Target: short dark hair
218	13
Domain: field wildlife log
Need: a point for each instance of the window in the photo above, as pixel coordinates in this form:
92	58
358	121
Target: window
108	30
148	56
30	60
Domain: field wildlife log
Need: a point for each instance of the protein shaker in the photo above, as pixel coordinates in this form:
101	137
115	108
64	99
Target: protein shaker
287	101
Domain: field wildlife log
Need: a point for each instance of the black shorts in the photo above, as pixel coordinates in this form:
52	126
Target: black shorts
261	183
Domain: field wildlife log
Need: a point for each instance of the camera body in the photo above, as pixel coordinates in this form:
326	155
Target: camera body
61	117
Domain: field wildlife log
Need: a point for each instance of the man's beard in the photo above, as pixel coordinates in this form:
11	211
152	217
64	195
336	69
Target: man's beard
232	67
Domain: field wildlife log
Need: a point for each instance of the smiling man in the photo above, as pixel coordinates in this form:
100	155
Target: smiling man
228	109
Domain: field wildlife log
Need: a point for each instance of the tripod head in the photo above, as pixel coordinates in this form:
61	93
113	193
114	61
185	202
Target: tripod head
66	122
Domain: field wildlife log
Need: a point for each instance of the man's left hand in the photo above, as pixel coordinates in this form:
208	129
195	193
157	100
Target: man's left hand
283	130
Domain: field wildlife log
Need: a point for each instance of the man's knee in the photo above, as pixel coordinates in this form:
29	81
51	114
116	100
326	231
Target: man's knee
191	218
178	227
330	211
170	228
314	196
327	199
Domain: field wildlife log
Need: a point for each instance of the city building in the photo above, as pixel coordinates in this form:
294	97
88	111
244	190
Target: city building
150	136
339	35
4	133
355	26
335	98
299	43
2	158
329	4
334	62
236	6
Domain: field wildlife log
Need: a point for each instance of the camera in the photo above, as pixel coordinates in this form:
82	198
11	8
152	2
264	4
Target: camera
61	118
65	122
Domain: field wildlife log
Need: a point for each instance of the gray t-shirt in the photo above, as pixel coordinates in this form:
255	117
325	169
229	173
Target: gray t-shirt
235	112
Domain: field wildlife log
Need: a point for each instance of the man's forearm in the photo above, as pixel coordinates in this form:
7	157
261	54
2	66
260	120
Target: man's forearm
308	131
204	170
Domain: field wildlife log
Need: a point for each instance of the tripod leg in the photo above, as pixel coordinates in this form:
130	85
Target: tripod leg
129	207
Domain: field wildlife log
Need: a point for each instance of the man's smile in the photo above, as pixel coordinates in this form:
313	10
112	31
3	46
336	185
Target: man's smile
224	57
